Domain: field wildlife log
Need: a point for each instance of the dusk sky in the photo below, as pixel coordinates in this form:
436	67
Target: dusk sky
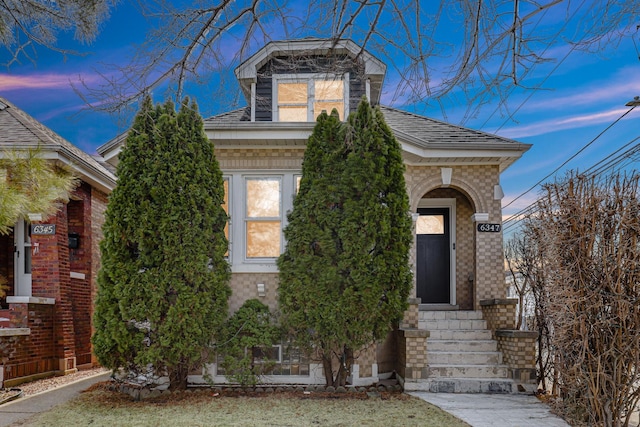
582	94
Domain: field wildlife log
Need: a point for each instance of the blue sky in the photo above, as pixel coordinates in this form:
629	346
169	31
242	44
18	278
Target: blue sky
582	94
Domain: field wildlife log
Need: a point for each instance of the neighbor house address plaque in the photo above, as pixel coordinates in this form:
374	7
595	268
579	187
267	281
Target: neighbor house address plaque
43	229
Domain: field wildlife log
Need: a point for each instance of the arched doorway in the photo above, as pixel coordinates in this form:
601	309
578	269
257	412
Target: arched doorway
445	254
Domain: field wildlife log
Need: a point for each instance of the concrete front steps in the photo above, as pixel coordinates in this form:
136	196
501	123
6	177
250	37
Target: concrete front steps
462	356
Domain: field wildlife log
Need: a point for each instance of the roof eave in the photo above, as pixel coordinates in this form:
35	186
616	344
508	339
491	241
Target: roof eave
103	180
110	150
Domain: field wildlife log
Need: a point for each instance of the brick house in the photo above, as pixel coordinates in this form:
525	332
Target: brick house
50	263
458	334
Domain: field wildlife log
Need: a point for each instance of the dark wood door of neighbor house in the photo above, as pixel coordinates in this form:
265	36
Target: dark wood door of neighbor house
433	256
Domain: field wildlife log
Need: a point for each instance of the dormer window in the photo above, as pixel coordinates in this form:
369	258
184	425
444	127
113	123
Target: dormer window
301	98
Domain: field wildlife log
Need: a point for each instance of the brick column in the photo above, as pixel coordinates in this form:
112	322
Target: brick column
410	319
51	278
518	347
519	351
98	208
489	268
499	313
412	354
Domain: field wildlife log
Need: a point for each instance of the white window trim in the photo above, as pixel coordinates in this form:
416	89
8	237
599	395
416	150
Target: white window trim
246	218
22	280
308	77
237	213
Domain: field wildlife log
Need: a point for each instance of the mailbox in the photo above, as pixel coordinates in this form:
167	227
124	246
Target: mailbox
74	240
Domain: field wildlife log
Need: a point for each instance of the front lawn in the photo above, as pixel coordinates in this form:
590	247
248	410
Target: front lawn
101	407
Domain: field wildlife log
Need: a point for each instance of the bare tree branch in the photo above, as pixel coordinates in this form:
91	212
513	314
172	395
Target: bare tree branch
467	51
30	23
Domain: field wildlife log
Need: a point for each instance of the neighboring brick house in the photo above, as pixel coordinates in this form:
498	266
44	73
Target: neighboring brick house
45	319
453	181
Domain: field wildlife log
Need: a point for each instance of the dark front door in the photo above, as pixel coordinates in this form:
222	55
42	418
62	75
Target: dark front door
433	263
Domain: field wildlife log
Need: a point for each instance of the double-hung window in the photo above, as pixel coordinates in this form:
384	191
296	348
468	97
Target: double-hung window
257	204
301	98
263	217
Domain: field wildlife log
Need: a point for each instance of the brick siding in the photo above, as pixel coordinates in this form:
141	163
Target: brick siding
33	354
60	334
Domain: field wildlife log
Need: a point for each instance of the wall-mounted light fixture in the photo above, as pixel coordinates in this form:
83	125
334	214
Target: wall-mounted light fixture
261	290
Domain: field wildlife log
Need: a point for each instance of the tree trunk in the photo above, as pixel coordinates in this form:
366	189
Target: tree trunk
542	376
178	377
346	363
327	368
520	310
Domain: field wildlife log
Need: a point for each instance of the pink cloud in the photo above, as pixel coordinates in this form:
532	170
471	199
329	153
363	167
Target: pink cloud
36	81
553	125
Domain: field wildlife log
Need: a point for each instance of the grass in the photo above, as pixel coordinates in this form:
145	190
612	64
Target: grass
101	407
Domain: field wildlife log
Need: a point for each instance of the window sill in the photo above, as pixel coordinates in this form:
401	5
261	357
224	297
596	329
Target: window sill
13	332
254	268
31	300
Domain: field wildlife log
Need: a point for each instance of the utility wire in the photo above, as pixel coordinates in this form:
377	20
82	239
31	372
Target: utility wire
608	162
618	161
572	157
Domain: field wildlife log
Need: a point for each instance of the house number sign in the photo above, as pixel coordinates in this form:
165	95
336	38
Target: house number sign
489	228
43	229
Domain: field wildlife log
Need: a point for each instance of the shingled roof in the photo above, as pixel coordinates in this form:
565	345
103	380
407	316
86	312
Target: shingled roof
424	140
426	131
20	131
421	130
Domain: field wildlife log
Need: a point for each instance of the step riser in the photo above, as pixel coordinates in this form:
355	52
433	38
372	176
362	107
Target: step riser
437	345
431	325
468	372
450	315
464	358
460	334
462	386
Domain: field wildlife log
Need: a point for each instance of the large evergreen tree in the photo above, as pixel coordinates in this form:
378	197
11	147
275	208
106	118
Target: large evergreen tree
345	276
163	286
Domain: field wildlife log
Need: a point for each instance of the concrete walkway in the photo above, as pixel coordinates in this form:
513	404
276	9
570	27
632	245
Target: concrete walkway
494	410
23	408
